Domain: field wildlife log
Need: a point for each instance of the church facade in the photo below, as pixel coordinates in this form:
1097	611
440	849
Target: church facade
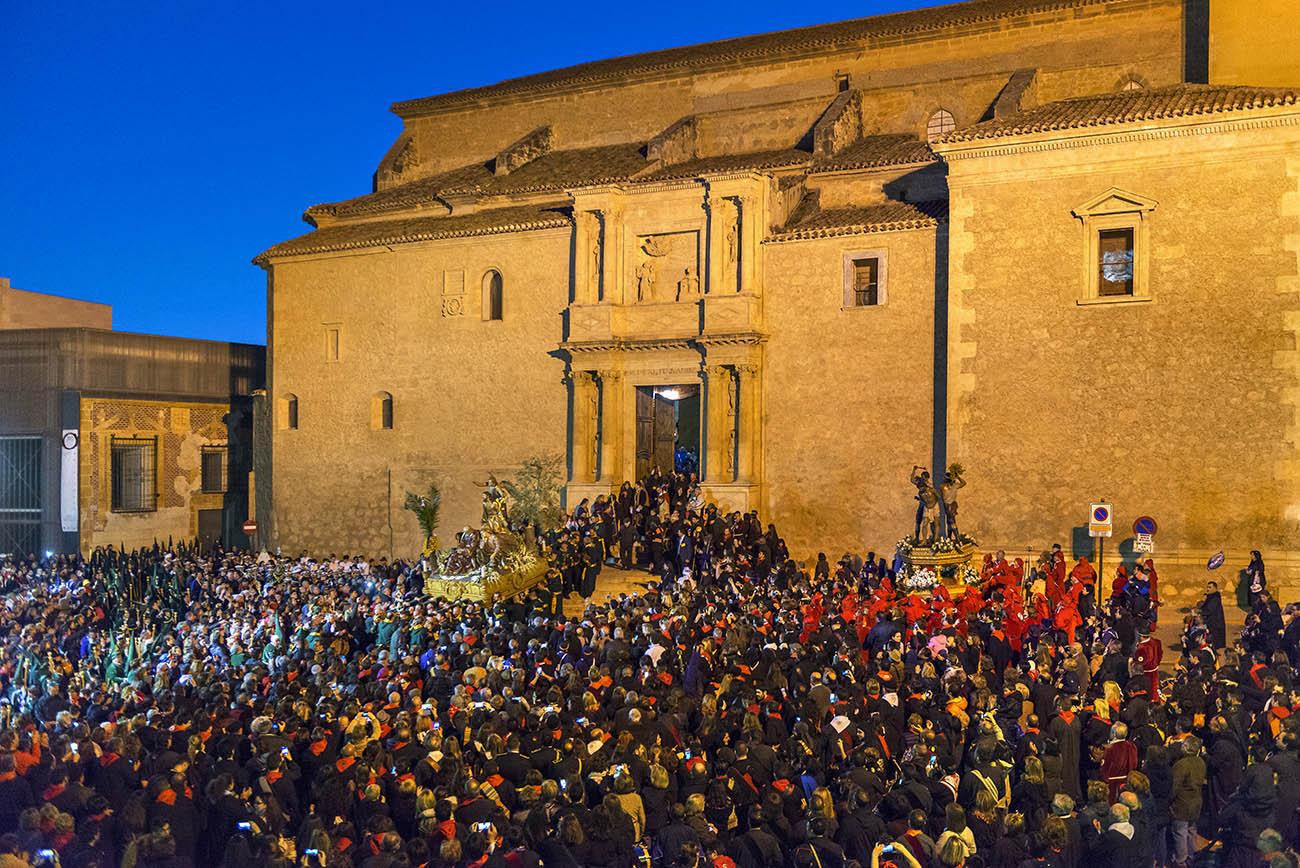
1057	241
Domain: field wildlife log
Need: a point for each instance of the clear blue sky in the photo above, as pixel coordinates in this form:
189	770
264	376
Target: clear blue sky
151	149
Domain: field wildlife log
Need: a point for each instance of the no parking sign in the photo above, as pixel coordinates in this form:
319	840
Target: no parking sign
1100	521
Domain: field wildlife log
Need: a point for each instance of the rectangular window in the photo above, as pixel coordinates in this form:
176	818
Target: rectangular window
133	474
332	343
1115	249
214	469
866	273
866	282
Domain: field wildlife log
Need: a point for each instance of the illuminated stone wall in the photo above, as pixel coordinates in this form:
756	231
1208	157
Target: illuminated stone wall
469	397
1183	406
181	431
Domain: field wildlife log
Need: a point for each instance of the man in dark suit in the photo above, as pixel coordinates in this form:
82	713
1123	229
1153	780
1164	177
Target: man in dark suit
1212	614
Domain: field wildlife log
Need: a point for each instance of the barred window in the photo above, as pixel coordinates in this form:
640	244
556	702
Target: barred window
134	474
214	469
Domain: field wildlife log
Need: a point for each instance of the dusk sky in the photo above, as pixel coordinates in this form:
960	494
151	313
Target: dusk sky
150	150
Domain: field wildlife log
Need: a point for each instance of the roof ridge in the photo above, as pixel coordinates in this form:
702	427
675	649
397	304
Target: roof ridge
816	36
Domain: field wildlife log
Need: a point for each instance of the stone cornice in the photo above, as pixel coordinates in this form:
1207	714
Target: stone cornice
1117	134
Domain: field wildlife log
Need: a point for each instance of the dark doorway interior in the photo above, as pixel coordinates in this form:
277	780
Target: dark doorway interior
667	429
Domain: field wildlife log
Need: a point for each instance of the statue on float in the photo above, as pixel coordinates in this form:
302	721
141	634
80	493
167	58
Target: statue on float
937	549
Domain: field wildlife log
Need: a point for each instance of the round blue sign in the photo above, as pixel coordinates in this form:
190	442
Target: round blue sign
1101	514
1146	524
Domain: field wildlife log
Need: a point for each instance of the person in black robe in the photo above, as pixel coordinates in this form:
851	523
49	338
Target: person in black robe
1065	729
1211	609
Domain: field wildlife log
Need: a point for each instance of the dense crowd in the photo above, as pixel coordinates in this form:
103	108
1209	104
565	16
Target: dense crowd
171	707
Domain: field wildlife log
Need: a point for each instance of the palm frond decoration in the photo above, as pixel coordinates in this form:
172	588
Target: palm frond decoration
426	508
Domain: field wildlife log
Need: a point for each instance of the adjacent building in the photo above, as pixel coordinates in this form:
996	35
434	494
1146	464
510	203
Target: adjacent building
1053	240
112	438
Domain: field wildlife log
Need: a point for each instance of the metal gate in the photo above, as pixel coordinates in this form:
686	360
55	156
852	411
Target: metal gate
20	495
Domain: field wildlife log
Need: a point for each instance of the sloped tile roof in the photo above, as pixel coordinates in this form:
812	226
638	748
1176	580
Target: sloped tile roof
809	221
576	167
353	236
876	151
553	171
819	38
777	159
1179	101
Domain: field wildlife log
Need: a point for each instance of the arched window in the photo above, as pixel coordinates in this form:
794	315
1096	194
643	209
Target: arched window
940	123
381	411
288	412
493	290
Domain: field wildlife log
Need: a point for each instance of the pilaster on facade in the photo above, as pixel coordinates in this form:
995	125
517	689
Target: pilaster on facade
1288	358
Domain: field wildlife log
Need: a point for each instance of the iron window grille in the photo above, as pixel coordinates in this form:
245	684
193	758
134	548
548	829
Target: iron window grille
135	474
213	472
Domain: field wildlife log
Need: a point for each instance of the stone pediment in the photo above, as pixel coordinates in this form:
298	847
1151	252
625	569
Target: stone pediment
1115	201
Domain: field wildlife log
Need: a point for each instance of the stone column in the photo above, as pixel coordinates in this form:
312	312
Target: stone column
717	380
584	426
611	425
747	445
581	259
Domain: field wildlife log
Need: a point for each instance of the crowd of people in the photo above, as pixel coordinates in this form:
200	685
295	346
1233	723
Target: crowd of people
175	707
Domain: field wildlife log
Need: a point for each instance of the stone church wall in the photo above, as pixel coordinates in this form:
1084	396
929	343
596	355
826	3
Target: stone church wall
1088	50
469	396
1183	407
849	392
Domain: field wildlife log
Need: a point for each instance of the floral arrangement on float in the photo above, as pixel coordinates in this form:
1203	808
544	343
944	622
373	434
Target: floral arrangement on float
918	580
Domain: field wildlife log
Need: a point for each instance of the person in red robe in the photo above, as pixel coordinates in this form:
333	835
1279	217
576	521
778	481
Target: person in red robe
1067	618
1119	758
1084	571
1153	581
1149	653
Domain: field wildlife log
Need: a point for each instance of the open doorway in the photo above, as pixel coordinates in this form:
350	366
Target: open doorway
667	429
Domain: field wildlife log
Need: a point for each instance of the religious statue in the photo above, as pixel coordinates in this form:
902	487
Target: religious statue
731	243
494	505
595	261
952	482
688	286
927	504
645	281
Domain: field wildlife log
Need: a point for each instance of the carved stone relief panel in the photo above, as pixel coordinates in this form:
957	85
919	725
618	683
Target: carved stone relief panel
453	292
667	267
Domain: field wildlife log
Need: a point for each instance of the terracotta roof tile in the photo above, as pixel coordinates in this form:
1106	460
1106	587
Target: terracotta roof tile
1179	101
778	159
559	170
809	221
878	151
353	236
823	38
